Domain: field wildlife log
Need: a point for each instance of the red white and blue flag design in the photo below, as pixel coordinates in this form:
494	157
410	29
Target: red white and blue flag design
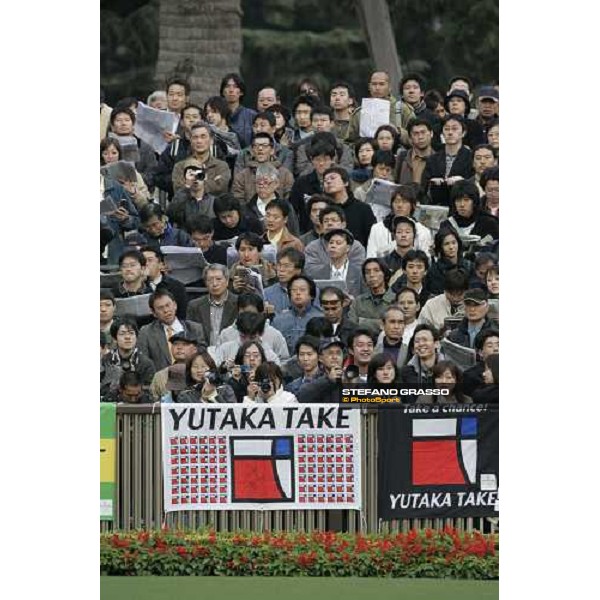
438	462
279	465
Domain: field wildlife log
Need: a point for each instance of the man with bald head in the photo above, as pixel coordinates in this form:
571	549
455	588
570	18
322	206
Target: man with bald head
401	113
266	98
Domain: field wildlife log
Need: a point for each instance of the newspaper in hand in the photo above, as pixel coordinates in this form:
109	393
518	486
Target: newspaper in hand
136	306
432	216
129	148
464	357
185	264
251	277
120	171
227	243
373	113
380	192
151	123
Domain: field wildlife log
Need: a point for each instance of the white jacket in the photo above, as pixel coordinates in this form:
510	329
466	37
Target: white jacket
279	398
436	309
382	242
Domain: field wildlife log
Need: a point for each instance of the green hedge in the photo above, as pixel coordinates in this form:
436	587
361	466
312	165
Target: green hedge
425	553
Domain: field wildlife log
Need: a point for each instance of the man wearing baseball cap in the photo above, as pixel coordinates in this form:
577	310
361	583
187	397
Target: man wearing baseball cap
326	388
476	318
184	345
487	101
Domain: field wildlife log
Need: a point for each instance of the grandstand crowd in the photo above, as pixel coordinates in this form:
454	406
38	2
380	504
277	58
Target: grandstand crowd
307	279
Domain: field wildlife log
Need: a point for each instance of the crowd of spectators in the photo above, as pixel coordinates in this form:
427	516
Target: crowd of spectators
307	282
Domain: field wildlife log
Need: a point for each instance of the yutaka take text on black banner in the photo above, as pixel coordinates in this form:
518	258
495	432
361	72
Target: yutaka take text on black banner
438	461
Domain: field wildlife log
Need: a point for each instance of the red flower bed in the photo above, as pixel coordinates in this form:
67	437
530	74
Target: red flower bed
427	553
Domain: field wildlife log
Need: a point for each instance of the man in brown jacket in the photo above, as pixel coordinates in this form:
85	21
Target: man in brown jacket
263	152
217	171
277	233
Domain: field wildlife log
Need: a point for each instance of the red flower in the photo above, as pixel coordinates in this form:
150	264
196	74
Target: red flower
143	536
306	560
201	551
117	542
181	550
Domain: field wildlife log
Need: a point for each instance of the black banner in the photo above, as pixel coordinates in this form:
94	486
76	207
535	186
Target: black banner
438	461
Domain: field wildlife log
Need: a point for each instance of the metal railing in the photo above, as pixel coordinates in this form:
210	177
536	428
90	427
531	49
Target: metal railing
139	490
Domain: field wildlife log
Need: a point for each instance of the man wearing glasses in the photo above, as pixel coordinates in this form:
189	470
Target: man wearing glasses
331	217
264	122
290	263
332	301
245	186
132	265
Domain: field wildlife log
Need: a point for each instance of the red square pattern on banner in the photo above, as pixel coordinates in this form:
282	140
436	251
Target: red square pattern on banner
198	469
325	469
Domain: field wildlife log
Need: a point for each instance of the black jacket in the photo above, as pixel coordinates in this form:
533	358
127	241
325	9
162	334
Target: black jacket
161	174
178	290
216	254
475	134
402	281
305	185
247	222
435	275
321	389
460	335
184	207
473	378
292	222
436	167
485	224
487	394
359	218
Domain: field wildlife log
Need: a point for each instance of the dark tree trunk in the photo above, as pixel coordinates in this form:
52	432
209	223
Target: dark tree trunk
199	40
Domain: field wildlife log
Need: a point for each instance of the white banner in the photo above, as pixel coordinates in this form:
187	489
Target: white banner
223	457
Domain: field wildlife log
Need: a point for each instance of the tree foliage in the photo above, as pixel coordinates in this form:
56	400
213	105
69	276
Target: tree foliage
286	40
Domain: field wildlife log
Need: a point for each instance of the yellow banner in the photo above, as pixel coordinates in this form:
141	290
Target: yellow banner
107	461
